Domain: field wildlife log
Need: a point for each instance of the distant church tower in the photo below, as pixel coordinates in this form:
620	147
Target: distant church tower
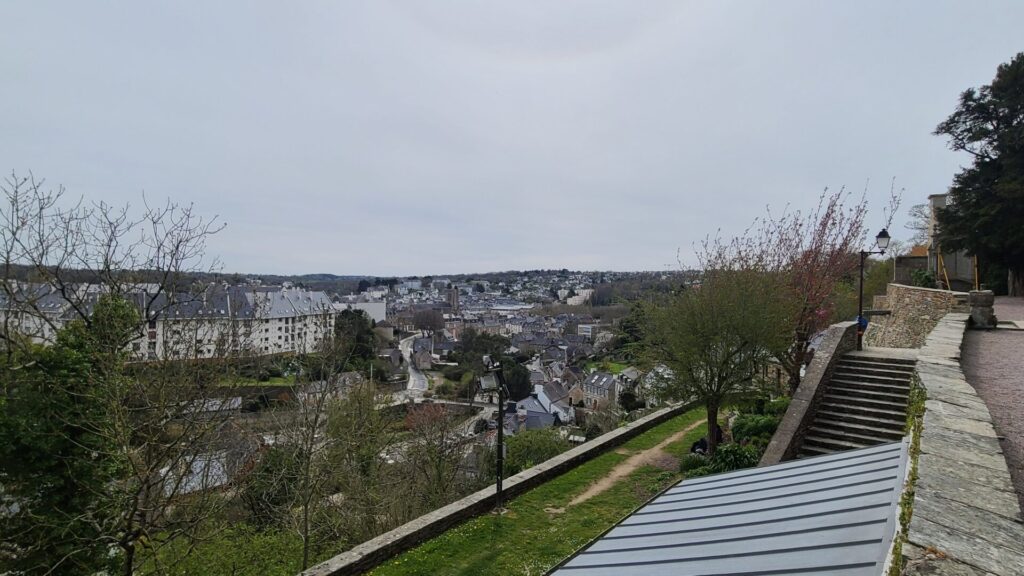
453	299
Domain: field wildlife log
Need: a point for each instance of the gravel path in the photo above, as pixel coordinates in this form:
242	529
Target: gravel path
993	362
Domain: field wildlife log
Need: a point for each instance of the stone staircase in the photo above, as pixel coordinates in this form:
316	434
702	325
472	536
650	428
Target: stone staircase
864	404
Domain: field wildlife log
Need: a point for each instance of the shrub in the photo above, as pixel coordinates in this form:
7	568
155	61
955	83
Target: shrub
268	490
444	389
727	457
753	427
777	407
691	462
529	448
922	278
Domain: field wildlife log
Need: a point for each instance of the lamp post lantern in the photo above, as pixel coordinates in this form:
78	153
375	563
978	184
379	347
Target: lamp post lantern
882	242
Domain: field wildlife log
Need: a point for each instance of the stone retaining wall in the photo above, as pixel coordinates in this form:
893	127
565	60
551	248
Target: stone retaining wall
914	313
374	552
840	339
966	519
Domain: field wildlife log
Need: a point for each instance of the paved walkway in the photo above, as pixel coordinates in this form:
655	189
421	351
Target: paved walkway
993	362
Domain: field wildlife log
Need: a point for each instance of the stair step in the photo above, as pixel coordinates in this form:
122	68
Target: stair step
812	451
898	407
833	443
901	368
863	419
903	389
898	417
868	439
895	374
856	390
861	377
879	359
890	434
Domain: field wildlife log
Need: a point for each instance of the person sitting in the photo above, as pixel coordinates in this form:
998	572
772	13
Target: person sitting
700	446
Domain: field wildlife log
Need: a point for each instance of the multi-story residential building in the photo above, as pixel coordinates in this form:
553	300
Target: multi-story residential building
214	322
376	309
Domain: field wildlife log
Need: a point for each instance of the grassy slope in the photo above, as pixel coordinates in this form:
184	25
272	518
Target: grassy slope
529	540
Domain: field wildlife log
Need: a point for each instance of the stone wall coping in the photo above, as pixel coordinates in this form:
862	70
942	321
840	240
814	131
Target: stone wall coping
376	551
966	519
909	287
839	339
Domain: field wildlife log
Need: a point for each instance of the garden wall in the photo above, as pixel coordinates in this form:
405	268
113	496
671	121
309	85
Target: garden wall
914	313
372	553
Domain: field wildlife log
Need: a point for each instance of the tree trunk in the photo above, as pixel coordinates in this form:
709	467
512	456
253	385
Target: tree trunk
305	535
1015	282
129	560
797	359
712	426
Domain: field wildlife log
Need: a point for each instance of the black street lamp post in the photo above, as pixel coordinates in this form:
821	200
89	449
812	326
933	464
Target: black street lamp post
882	241
494	378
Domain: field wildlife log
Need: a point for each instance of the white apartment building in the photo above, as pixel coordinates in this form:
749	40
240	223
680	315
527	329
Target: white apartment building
218	321
376	309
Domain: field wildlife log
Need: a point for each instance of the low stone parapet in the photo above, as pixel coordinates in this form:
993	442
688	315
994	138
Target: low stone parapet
374	552
965	516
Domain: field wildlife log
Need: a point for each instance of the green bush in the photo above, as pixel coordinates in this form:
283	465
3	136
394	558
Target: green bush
777	407
728	457
753	426
453	373
691	462
529	448
268	490
922	278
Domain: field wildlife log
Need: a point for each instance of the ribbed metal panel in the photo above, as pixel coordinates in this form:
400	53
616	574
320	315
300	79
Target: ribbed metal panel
832	514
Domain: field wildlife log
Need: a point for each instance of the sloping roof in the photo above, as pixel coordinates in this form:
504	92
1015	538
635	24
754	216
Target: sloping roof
832	514
601	380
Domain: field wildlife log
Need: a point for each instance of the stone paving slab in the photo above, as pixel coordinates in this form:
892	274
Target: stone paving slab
967	425
964	452
934	563
970	493
994	528
939	438
965	547
960	407
934	464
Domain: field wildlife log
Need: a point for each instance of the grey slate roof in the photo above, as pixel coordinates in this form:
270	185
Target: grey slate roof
832	514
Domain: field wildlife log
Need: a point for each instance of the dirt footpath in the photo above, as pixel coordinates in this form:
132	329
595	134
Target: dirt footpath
655	456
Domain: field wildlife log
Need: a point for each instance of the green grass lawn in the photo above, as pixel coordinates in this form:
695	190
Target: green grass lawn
275	381
605	366
540	530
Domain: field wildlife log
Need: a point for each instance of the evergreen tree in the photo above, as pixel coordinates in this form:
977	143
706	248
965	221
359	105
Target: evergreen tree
60	463
985	215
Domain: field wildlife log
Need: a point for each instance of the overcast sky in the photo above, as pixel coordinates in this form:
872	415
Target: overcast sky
401	138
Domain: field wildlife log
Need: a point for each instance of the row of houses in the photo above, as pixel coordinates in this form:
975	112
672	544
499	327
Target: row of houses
216	321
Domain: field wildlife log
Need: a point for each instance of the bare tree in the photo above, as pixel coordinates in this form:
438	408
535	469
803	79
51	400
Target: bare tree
92	273
919	223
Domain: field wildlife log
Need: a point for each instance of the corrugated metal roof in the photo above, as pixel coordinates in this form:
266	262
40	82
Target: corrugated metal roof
832	514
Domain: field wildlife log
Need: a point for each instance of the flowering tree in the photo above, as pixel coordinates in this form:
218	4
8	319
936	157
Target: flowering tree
815	252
